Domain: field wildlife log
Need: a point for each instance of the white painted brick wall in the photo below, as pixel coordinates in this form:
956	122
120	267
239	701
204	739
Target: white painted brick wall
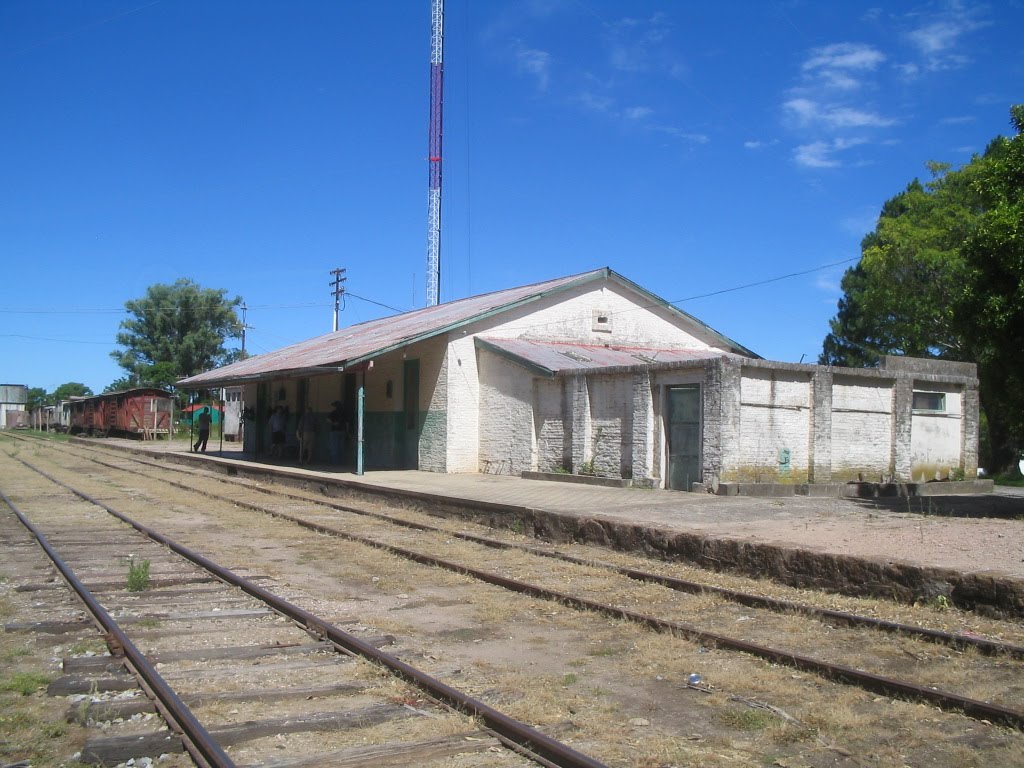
774	415
463	404
506	416
611	425
433	447
935	438
861	428
548	397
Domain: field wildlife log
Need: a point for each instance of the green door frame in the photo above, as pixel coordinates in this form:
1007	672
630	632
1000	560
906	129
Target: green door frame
410	433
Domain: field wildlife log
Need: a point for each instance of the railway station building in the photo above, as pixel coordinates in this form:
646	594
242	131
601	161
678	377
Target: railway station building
592	374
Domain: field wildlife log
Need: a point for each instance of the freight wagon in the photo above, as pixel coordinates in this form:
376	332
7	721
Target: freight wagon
143	412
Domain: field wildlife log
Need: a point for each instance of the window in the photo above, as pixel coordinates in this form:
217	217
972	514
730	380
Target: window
930	401
602	321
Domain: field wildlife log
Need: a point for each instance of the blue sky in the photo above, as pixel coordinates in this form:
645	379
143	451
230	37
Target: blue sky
694	147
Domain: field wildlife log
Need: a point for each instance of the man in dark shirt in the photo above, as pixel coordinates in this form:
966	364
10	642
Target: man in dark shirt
205	419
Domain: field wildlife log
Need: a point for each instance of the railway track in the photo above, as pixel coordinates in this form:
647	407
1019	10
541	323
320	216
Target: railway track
325	690
973	663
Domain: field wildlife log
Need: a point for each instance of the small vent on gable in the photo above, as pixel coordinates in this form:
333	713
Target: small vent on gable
602	321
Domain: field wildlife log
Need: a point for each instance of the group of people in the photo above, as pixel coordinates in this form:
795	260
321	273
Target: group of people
306	430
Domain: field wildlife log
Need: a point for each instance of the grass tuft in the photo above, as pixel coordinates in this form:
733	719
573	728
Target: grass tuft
138	576
25	683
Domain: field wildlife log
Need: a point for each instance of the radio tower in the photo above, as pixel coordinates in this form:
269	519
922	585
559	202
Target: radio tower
434	153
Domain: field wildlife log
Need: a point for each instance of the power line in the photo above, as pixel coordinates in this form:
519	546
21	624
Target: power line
766	282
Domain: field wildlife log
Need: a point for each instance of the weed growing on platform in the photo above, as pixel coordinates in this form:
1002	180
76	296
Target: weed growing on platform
138	576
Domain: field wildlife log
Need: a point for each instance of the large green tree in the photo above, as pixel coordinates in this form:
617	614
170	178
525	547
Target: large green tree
176	331
941	276
991	309
68	390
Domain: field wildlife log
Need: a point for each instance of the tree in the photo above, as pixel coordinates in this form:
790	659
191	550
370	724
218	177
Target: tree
69	390
942	275
176	331
992	306
36	398
900	298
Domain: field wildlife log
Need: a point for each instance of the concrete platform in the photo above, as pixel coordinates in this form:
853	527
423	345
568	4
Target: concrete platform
968	548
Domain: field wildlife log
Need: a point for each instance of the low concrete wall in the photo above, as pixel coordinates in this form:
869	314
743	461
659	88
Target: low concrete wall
607	482
851	490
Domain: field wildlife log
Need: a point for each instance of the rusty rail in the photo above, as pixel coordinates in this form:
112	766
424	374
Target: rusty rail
513	733
866	680
196	739
960	641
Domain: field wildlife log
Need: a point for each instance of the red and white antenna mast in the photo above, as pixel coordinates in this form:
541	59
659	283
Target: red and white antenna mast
434	153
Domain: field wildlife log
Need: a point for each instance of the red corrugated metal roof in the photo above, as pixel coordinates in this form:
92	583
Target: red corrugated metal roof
554	357
358	343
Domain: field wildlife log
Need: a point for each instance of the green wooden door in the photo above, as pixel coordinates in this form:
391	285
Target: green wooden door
684	421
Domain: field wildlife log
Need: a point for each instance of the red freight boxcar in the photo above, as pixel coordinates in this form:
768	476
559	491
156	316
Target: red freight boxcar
143	412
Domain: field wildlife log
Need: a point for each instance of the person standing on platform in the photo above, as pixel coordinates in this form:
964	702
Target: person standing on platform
339	430
277	425
205	419
306	433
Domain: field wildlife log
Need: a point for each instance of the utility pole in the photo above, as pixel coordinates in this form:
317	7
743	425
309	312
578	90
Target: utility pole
245	326
339	290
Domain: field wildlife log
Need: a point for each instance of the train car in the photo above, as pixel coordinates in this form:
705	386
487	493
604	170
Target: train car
143	412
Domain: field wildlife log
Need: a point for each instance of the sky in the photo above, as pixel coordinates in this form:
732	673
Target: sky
727	156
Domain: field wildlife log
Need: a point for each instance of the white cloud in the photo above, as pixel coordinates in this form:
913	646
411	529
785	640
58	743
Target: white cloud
758	144
909	70
804	110
815	155
637	113
848	117
643	45
533	62
857	56
836	65
594	102
822	154
810	113
938	38
678	133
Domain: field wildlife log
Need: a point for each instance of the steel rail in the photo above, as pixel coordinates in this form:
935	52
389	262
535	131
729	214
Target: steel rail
948	700
195	738
509	731
866	680
953	640
869	681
